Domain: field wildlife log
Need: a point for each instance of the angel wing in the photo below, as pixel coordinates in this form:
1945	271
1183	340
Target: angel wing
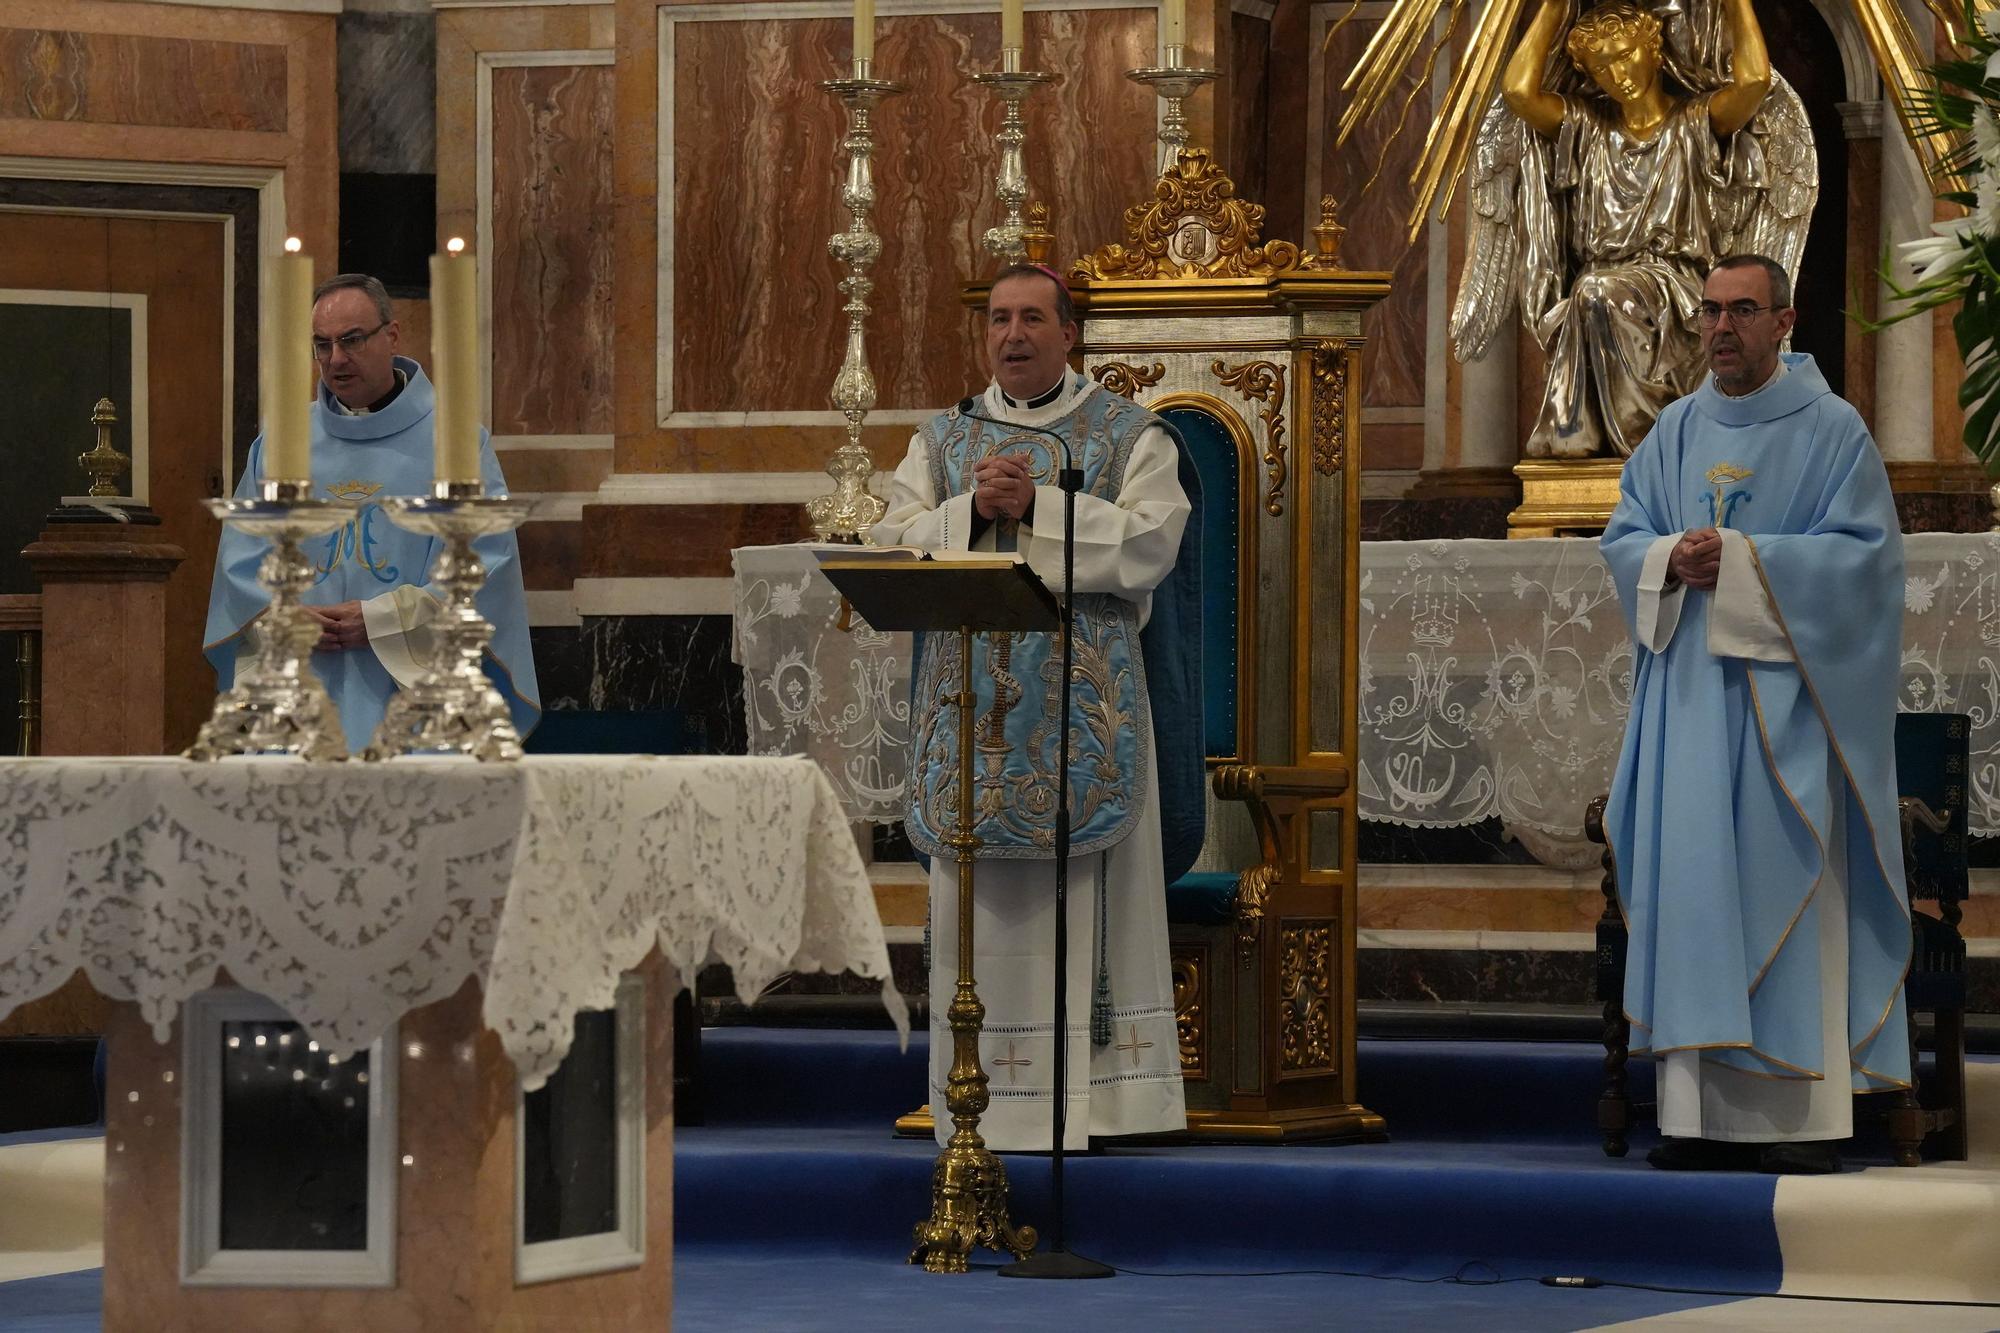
1487	290
1776	208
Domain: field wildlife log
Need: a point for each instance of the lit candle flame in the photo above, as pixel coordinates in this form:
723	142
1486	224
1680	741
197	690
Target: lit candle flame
455	246
293	245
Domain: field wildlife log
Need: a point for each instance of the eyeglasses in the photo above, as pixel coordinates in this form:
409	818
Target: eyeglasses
348	343
1739	312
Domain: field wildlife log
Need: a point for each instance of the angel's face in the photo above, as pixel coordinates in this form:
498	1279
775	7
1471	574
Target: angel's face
1626	66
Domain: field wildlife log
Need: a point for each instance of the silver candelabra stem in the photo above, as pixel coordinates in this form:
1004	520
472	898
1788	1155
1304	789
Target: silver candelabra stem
1173	82
848	511
452	708
278	705
1012	85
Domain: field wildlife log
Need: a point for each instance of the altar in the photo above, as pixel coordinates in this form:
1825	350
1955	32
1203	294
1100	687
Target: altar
393	1048
1496	676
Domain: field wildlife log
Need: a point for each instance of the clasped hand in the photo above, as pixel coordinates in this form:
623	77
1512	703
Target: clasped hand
340	627
1002	487
1696	558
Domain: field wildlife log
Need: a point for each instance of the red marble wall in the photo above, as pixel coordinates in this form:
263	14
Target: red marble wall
550	250
757	323
131	79
1375	220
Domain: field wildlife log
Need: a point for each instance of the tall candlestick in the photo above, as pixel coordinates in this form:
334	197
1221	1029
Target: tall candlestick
455	362
1173	22
864	29
285	365
1010	25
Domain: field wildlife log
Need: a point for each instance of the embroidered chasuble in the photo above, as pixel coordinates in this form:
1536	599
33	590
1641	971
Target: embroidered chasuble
1753	809
1131	520
374	562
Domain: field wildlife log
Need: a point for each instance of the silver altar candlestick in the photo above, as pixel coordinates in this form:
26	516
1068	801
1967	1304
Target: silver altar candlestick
1011	85
848	511
1173	82
278	705
452	708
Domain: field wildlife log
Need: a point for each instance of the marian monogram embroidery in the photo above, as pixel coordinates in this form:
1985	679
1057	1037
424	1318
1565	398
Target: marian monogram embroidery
356	539
1723	499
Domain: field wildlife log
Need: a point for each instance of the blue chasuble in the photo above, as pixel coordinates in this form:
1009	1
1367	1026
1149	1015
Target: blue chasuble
384	453
1722	800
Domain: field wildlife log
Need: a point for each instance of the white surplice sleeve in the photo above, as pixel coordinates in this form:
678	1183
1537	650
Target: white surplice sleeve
1659	608
914	517
1124	547
1741	621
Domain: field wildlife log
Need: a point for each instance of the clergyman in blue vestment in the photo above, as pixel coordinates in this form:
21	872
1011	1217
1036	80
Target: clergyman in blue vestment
1753	812
371	437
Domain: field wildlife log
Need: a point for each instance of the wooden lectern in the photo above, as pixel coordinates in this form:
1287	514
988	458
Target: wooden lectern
900	588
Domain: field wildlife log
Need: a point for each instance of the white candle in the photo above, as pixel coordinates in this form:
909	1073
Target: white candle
864	29
455	367
285	365
1173	22
1010	25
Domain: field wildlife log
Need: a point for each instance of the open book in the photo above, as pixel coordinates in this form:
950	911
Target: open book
852	556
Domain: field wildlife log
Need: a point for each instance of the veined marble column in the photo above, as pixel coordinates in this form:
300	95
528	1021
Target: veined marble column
1903	352
1488	390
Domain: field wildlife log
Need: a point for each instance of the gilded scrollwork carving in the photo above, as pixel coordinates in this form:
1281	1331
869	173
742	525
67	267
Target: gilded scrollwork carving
1190	980
1193	227
1264	382
1251	892
1305	997
1125	379
1329	405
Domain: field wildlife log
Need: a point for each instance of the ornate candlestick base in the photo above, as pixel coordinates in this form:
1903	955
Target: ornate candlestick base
1012	87
452	708
278	705
848	511
1174	83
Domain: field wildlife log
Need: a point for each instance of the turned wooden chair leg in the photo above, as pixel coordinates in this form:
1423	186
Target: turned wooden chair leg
1614	1103
1906	1112
1948	1032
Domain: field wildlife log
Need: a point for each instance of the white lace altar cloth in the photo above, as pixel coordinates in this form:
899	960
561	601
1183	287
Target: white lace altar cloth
812	688
1496	676
352	893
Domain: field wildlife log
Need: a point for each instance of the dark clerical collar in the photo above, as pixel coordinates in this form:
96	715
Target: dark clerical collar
402	381
1040	400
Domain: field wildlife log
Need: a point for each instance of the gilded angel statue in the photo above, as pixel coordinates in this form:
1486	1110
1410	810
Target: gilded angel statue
1604	185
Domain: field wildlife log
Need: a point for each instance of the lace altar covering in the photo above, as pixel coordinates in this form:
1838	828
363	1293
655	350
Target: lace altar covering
810	687
1496	676
351	893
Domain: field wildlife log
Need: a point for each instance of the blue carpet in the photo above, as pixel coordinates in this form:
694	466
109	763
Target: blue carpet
57	1135
1494	1163
65	1303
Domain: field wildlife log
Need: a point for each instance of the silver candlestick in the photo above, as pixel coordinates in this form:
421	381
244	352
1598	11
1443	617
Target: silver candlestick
1173	82
278	705
452	708
848	512
1011	85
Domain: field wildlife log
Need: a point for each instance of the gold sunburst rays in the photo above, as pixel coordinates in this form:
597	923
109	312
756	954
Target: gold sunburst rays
1388	55
1900	61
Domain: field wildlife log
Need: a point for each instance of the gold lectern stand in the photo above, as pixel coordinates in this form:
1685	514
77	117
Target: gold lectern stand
901	589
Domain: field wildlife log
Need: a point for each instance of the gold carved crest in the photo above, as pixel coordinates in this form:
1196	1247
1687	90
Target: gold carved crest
1193	227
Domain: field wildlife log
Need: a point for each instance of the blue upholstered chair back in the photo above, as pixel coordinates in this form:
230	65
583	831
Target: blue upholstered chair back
1209	897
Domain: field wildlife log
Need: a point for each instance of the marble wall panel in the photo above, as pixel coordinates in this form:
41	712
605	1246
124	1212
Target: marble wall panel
130	79
680	541
1375	216
1249	116
549	253
757	323
551	554
678	664
388	92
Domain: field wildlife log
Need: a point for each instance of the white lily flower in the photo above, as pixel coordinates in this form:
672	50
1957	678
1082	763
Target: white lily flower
1936	256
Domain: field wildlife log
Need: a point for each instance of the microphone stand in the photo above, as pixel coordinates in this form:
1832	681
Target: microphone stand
1058	1262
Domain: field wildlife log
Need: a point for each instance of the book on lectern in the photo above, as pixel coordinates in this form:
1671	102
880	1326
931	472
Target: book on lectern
908	588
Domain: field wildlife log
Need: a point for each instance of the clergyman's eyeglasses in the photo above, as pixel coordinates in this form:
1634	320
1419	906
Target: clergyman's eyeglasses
1739	312
348	343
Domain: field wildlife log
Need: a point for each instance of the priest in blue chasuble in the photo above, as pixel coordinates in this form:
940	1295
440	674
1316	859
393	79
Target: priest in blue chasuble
371	437
1753	813
968	484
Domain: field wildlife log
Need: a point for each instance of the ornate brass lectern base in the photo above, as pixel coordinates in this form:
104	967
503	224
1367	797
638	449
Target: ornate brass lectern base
968	1184
1565	497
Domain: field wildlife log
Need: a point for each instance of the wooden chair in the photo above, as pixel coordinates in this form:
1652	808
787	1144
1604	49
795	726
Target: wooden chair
1932	759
